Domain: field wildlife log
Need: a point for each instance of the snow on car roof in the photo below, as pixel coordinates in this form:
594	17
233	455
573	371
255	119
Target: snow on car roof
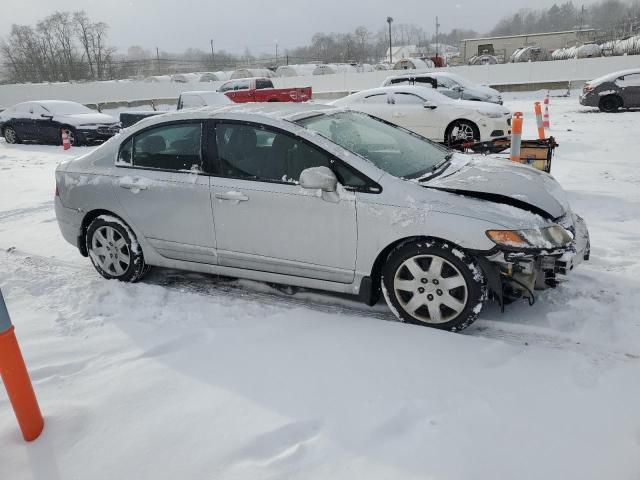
612	76
288	111
425	92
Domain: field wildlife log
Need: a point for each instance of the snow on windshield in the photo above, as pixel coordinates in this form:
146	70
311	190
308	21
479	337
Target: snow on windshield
393	149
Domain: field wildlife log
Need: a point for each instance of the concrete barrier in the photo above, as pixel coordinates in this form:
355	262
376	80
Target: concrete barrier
505	77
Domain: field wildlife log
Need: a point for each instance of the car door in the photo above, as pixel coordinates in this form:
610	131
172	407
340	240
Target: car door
45	128
412	112
21	121
630	85
264	220
163	188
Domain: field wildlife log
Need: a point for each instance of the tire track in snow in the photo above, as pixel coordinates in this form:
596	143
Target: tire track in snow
256	292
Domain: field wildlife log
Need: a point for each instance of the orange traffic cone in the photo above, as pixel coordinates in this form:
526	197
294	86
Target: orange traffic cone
545	122
66	145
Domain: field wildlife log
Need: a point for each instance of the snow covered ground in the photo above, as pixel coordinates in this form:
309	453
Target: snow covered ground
194	376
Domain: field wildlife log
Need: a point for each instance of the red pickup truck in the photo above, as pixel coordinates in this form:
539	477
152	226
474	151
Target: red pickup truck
261	90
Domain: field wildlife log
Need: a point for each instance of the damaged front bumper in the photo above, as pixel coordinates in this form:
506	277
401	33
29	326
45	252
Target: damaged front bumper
513	274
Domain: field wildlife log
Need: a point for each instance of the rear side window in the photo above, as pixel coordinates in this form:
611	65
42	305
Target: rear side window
632	80
379	98
263	83
191	101
171	147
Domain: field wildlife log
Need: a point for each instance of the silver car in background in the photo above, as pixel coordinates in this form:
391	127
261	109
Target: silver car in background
319	197
450	84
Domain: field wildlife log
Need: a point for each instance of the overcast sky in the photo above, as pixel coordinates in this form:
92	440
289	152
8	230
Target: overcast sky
233	25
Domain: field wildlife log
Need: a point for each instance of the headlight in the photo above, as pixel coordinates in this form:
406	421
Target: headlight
549	237
491	114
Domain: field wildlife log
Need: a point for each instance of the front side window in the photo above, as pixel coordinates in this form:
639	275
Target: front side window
171	147
255	153
262	83
393	149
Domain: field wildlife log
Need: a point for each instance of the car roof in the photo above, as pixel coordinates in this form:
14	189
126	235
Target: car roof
426	92
613	75
275	111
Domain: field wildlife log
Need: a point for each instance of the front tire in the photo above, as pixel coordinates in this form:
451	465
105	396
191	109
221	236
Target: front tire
434	284
462	131
610	104
10	135
114	250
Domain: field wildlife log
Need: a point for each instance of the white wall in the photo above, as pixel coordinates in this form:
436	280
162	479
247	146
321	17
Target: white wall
504	74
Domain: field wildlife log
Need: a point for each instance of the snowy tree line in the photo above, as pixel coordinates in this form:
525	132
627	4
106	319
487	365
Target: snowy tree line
614	18
63	46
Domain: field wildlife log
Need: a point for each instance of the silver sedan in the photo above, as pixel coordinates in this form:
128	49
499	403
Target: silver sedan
319	197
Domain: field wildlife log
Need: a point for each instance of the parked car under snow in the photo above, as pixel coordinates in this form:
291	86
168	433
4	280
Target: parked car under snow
44	121
320	197
613	91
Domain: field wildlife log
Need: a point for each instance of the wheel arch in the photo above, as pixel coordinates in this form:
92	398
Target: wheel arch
615	96
89	217
381	258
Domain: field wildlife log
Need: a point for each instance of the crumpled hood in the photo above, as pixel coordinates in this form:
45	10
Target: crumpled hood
502	181
85	118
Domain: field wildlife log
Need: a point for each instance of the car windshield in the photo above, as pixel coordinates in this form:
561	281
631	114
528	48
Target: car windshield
460	80
395	150
67	108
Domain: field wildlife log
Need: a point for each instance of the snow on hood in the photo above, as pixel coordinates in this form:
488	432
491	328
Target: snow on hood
481	106
503	181
490	92
77	119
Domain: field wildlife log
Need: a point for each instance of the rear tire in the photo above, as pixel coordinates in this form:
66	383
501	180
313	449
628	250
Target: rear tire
74	140
610	104
114	250
434	284
10	135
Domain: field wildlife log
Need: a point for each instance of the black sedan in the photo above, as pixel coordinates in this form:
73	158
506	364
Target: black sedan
44	121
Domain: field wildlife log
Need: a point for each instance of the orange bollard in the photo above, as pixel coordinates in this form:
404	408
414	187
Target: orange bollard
16	379
538	110
516	136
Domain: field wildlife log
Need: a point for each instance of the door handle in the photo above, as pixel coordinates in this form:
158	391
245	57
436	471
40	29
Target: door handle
134	185
234	196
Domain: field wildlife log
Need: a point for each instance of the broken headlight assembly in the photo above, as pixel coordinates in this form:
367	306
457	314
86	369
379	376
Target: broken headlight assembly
548	237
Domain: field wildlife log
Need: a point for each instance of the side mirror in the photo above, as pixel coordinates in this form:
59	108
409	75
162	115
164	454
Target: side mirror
322	178
457	88
429	104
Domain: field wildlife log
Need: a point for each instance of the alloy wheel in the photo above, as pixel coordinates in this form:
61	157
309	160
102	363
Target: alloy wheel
10	135
110	251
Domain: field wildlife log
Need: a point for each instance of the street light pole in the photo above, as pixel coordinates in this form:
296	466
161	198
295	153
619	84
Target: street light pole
213	60
437	40
389	21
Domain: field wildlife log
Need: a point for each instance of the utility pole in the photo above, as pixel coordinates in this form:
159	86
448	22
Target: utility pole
581	17
437	40
276	54
389	21
213	59
157	55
